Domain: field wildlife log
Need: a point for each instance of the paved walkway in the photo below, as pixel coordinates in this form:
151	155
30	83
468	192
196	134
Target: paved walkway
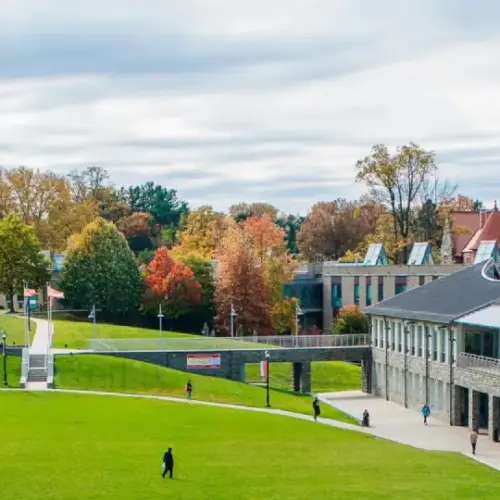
40	344
394	422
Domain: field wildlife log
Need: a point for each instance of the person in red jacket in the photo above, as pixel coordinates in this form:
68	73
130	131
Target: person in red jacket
189	389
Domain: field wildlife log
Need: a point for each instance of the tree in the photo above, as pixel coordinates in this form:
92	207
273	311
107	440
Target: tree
242	211
162	203
283	315
100	269
202	233
291	224
396	181
171	284
241	282
332	228
137	229
351	320
21	260
43	200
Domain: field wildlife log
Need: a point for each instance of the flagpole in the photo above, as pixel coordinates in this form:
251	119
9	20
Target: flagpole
93	317
25	314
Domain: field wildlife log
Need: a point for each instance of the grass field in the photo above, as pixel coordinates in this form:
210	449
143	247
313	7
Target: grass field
103	373
63	446
13	371
77	334
327	376
14	327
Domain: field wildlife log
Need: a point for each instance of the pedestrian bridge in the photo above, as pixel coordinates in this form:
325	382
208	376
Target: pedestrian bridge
197	343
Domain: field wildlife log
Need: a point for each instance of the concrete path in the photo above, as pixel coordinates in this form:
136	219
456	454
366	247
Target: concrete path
394	422
40	344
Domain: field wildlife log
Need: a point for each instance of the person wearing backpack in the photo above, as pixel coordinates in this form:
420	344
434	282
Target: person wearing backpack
189	389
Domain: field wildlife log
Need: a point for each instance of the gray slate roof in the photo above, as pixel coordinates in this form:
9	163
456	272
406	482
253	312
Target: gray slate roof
443	300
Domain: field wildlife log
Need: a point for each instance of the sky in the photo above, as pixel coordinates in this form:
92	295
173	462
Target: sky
231	101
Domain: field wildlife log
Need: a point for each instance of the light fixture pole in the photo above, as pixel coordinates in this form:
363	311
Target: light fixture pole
298	313
233	316
160	320
268	403
4	355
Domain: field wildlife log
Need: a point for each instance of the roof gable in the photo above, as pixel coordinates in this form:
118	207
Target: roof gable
421	254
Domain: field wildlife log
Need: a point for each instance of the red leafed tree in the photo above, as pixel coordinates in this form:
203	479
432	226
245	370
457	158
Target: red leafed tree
171	284
241	282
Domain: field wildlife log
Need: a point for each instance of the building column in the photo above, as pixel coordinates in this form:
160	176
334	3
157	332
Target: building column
493	417
413	282
347	290
366	373
473	409
362	291
296	375
428	279
327	303
389	287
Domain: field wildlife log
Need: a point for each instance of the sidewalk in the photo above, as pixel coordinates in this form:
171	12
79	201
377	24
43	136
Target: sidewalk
40	344
394	422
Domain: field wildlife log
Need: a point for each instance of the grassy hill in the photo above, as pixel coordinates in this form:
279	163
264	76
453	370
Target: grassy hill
13	371
14	327
90	372
101	448
327	376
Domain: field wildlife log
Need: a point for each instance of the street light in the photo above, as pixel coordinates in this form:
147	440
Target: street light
298	313
233	316
4	355
268	404
160	320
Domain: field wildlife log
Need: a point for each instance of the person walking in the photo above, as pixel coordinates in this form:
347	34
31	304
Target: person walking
473	440
316	408
426	412
366	419
189	389
168	464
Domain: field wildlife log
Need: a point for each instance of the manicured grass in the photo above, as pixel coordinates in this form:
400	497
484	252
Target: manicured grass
91	372
77	334
13	371
14	327
63	446
327	376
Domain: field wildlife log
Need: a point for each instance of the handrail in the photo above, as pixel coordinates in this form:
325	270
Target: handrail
25	366
50	370
478	363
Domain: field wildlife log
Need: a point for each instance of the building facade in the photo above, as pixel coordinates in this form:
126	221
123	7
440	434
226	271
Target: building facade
439	345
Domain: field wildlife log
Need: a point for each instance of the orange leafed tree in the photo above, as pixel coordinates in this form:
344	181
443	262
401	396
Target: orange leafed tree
171	284
241	282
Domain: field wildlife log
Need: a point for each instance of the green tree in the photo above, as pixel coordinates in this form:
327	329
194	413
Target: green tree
21	260
351	320
101	269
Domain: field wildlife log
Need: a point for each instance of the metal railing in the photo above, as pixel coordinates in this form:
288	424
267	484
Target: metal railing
25	366
50	370
229	343
478	363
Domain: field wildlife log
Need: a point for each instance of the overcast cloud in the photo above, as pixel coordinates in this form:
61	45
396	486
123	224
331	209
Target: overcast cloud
230	100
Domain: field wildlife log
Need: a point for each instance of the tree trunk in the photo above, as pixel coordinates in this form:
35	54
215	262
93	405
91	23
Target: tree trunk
11	293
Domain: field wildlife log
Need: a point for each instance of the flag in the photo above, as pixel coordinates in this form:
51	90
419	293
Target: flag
29	292
54	294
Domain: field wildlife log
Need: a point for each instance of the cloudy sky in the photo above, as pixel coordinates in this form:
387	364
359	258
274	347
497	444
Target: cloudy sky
233	100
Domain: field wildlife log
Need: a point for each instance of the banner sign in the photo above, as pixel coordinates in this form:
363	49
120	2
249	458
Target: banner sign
202	361
264	368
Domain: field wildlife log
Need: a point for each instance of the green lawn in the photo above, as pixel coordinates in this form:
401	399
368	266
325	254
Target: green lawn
327	376
91	372
13	371
63	446
14	327
77	334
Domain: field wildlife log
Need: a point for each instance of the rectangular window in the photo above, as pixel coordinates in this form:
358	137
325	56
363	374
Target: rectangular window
412	337
356	294
399	288
336	295
368	294
380	292
393	336
382	333
443	336
419	341
435	341
400	336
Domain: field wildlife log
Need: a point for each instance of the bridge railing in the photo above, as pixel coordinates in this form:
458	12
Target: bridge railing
228	343
478	363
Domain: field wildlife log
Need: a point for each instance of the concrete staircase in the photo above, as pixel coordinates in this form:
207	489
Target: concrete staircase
37	372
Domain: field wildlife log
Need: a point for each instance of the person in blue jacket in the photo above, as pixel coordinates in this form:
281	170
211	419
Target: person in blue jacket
426	411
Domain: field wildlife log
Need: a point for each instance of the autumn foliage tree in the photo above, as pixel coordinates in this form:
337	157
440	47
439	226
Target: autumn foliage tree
171	284
137	228
241	282
351	320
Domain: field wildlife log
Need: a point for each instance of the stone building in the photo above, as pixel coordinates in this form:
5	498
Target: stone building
439	345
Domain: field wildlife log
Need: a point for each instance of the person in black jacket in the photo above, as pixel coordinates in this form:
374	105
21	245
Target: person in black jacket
316	409
168	463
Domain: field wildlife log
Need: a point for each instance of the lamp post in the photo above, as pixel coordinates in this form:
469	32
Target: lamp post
298	314
232	317
268	404
4	355
160	320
